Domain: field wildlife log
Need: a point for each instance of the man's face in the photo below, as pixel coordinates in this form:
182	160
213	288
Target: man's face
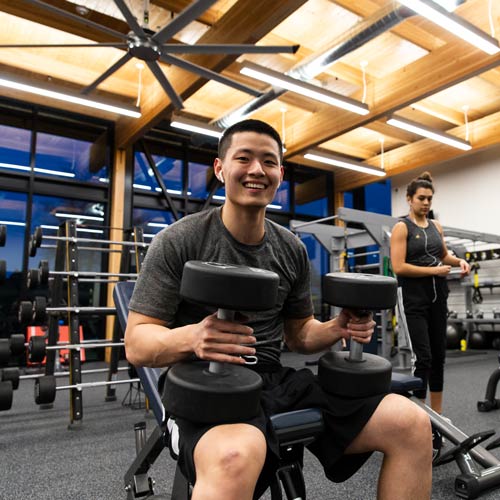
251	169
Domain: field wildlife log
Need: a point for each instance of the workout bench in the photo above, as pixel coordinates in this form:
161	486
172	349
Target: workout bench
294	430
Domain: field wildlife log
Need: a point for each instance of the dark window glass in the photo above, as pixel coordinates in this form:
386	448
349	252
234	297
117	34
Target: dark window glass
317	208
13	217
14	148
66	157
199	174
282	198
49	212
170	170
151	221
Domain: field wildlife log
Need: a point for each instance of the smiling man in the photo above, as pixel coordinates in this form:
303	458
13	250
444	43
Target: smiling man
237	461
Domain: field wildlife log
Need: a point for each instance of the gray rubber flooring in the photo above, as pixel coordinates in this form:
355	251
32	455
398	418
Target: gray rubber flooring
42	459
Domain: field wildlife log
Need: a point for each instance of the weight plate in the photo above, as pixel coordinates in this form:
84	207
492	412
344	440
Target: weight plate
6	393
11	374
359	291
229	286
192	392
354	379
4	351
36	349
16	342
37	236
45	390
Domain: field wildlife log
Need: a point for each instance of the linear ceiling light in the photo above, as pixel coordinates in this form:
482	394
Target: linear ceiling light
339	161
195	126
424	131
131	112
307	89
454	24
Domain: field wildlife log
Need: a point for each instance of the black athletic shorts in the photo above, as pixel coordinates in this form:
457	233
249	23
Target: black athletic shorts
287	389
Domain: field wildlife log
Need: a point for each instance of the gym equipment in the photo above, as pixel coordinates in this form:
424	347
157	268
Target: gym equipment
453	336
352	374
490	402
14	374
222	391
3	235
293	429
6	395
46	387
37	311
37	347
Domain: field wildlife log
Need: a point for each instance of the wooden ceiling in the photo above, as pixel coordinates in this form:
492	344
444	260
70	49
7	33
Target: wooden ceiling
412	68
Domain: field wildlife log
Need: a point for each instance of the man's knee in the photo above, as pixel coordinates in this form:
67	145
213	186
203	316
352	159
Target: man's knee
231	456
412	426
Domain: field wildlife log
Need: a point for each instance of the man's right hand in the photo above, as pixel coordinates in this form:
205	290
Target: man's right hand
220	340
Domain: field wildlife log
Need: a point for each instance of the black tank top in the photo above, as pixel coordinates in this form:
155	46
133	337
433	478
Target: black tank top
424	246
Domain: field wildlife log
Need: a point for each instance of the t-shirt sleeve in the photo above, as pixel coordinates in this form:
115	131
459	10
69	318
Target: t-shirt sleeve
299	301
156	292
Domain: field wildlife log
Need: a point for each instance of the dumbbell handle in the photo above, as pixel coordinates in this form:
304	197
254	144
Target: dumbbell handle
356	352
356	348
217	366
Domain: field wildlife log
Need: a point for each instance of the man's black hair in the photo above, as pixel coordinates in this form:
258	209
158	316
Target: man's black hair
257	126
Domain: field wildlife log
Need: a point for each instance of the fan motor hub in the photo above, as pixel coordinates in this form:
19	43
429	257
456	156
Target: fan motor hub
144	49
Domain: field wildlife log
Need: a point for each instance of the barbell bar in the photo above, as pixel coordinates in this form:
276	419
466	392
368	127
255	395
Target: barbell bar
14	374
46	387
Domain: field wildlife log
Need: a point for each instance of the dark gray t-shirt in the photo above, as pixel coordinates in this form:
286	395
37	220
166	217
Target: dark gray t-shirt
424	245
203	236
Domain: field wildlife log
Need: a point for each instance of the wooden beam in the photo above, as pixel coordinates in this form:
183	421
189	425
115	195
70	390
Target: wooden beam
38	14
439	111
447	66
236	26
483	133
209	17
310	190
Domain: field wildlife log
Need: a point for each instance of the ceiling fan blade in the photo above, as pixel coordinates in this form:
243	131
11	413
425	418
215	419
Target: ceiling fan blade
214	48
188	15
167	87
118	64
130	18
61	45
209	74
77	18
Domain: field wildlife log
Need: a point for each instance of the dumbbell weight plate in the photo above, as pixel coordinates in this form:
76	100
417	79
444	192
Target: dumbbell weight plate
40	309
359	291
45	390
36	349
33	278
11	374
6	393
16	343
228	286
194	393
37	236
43	266
25	312
4	351
342	377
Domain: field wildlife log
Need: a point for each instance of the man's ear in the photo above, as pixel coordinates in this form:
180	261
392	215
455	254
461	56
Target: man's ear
218	170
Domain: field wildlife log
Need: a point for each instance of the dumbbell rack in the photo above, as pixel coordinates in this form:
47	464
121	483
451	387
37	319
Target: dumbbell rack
137	236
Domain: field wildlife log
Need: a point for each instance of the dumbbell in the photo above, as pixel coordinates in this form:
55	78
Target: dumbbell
355	374
213	392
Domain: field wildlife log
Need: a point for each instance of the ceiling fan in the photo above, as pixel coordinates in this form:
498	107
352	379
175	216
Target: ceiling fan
151	47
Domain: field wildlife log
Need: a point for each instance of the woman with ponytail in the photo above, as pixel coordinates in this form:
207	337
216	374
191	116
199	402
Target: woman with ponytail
421	262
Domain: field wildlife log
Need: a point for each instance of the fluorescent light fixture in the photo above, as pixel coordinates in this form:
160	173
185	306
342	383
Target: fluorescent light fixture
339	161
36	169
157	224
276	207
198	127
424	131
454	24
131	112
11	223
300	87
78	216
103	179
142	186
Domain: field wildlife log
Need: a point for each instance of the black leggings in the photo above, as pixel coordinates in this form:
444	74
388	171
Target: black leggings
425	304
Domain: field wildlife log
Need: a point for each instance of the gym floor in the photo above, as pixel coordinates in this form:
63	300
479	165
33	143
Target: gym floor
42	459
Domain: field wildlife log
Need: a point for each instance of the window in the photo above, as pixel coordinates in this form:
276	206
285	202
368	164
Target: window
14	148
151	221
170	170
